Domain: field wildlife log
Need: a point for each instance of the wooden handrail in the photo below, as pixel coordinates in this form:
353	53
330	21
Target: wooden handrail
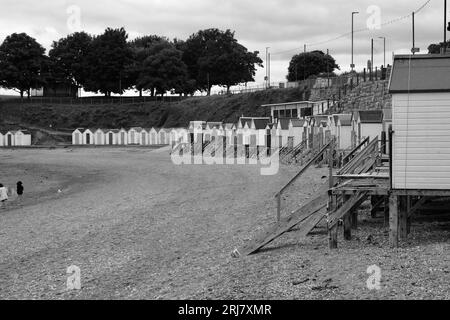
349	166
317	156
366	140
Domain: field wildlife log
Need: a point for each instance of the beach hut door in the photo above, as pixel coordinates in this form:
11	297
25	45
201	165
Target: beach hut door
88	138
110	138
9	143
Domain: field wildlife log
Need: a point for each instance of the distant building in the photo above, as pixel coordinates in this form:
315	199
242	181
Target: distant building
299	109
57	90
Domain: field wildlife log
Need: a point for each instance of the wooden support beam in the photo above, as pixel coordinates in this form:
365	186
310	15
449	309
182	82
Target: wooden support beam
408	215
348	222
393	221
355	219
333	237
403	218
375	205
386	210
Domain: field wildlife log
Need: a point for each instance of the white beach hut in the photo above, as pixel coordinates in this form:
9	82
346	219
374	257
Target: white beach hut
77	136
344	131
368	124
99	137
111	136
153	135
123	137
22	138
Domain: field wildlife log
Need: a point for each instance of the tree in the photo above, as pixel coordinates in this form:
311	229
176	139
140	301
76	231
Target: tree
21	62
161	69
68	59
214	57
304	65
436	48
108	61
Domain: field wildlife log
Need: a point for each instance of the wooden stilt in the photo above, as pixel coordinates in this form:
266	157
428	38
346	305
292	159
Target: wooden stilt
333	236
386	211
408	214
332	230
393	221
347	222
403	218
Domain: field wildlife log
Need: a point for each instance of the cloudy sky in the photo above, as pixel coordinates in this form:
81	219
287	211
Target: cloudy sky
283	25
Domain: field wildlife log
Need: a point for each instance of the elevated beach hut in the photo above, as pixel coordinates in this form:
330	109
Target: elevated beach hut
368	124
420	159
259	127
297	130
344	131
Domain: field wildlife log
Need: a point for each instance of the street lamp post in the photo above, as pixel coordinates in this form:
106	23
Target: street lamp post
384	50
352	66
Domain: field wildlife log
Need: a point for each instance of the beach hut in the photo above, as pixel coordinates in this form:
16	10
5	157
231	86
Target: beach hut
144	137
420	89
99	137
283	132
111	137
134	136
368	124
77	136
123	137
420	143
22	138
297	130
344	131
259	127
2	138
153	135
163	136
88	137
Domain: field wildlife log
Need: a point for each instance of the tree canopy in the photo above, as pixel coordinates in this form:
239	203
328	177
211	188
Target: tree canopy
305	65
108	63
214	57
21	62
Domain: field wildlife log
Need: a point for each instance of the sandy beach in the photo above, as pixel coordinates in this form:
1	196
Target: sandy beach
140	227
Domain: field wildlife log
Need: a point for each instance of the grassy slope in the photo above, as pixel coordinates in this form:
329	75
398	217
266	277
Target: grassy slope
214	108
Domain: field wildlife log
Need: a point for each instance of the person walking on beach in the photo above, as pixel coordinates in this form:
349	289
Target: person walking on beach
3	194
19	189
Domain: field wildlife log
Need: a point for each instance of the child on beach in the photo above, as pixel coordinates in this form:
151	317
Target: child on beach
3	193
19	188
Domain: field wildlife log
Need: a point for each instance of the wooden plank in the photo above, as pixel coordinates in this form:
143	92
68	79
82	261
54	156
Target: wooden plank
350	204
309	209
311	162
310	223
356	161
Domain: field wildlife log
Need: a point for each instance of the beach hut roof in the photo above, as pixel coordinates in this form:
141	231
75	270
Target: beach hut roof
345	119
371	116
283	123
420	73
261	123
297	123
